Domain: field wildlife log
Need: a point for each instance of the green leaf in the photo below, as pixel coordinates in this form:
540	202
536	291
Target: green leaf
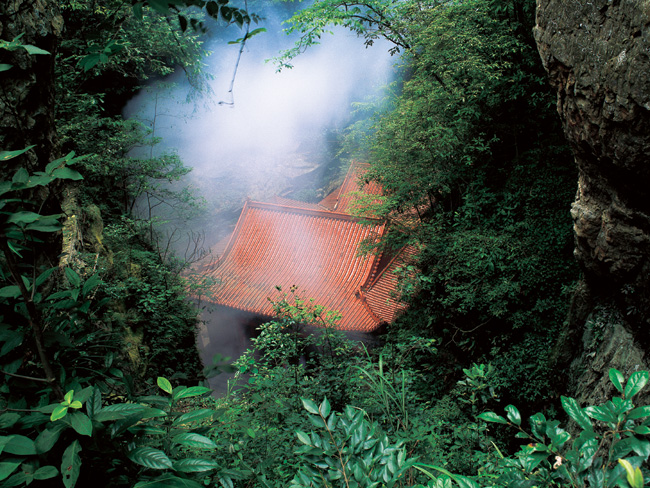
572	408
71	464
642	430
33	49
616	377
4	440
168	480
40	279
601	413
81	423
194	465
69	396
513	414
194	416
23	217
66	173
94	402
492	417
46	472
20	445
6	155
8	467
637	381
11	291
46	439
8	419
59	412
192	391
639	413
119	411
90	284
634	476
191	439
164	385
5	67
21	177
73	277
325	408
304	438
310	406
150	458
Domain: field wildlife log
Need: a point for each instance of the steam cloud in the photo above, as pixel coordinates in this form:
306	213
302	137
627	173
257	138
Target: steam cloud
276	129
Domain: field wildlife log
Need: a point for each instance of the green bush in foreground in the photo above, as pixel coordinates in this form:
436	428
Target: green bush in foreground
606	447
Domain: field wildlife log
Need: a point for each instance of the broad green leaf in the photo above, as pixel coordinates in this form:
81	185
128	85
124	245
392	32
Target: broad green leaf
94	402
20	445
23	217
69	396
325	408
150	458
71	464
304	438
642	430
20	177
634	476
617	379
637	381
194	465
66	173
90	284
47	438
572	408
8	419
11	291
144	429
639	412
40	279
310	406
192	391
194	416
194	440
8	467
164	385
13	340
33	49
59	412
46	472
492	417
81	423
601	413
513	414
5	67
6	155
73	277
168	480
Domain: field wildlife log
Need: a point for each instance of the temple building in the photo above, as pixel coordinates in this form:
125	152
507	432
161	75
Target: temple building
314	247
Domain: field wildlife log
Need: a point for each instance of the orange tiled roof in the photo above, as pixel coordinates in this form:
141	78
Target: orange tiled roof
339	200
288	202
274	245
289	243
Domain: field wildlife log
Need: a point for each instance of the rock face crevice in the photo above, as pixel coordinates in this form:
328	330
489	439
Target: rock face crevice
597	55
27	89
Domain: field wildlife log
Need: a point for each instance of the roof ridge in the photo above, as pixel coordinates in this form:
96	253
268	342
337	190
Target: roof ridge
309	211
234	234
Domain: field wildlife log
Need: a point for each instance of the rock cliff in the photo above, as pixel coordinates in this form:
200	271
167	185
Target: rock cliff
597	55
